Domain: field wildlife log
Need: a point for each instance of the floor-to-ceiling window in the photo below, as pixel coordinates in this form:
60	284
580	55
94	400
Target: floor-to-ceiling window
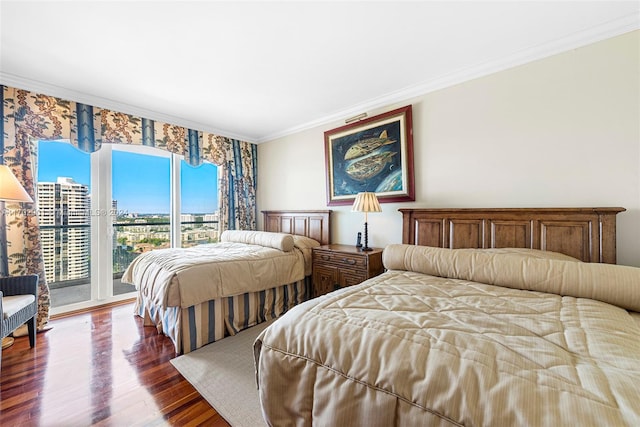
99	211
199	204
63	197
141	201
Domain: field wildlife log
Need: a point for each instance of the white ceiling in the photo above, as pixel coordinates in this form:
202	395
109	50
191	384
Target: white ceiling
260	70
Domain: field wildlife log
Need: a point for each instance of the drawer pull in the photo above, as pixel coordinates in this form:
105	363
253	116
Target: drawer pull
325	257
349	261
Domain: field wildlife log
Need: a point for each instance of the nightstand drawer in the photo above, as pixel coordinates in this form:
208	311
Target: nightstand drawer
348	277
339	259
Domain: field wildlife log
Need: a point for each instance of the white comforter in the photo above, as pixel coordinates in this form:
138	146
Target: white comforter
188	276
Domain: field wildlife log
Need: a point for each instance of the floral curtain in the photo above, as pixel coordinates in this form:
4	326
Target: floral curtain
28	116
237	171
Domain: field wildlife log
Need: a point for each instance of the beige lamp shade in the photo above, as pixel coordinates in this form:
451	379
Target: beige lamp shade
10	189
366	202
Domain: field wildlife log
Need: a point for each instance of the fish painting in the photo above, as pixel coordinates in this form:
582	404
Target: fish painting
370	166
366	146
374	155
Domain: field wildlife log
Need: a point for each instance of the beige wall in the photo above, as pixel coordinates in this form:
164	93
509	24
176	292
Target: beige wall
562	131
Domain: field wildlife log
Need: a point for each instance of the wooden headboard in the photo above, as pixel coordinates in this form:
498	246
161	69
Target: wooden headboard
588	234
314	224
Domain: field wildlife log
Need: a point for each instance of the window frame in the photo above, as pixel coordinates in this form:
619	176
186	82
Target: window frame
102	218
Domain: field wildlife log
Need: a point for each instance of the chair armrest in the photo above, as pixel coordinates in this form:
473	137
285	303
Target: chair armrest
19	285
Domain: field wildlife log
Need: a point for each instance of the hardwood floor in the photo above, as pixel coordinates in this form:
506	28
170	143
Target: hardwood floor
98	368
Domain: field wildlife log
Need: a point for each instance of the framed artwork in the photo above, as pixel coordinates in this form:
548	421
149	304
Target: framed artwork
374	154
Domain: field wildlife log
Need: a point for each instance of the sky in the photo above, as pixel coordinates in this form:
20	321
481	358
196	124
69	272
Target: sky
140	182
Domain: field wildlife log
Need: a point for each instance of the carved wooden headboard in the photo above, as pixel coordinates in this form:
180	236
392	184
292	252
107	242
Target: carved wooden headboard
588	234
314	224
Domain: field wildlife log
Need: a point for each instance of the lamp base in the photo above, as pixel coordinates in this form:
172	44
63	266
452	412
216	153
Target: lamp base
366	247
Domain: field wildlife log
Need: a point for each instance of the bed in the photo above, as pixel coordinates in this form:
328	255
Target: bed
200	295
484	327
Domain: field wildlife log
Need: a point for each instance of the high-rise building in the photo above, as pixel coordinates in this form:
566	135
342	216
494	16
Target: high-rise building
64	208
187	218
210	217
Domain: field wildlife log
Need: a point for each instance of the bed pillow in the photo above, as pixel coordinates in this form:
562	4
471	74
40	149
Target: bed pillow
614	284
281	241
535	253
303	242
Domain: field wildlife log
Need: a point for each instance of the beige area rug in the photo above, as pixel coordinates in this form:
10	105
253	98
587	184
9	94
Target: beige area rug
223	373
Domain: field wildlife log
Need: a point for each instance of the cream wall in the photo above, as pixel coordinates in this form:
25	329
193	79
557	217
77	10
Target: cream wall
562	131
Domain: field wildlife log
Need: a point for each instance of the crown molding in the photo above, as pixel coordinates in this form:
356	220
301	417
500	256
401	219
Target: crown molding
602	32
109	104
592	35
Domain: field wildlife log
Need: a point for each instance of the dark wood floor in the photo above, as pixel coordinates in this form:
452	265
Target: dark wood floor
98	368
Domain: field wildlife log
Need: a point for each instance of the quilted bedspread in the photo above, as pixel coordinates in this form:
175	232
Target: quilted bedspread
188	276
411	349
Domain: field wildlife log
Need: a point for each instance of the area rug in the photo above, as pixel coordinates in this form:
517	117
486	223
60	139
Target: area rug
223	373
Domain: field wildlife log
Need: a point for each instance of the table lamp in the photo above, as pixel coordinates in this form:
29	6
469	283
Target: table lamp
366	202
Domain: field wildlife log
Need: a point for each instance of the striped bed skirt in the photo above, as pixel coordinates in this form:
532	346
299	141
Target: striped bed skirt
192	327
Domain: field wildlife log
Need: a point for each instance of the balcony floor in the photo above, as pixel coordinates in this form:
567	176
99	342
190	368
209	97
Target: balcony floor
80	293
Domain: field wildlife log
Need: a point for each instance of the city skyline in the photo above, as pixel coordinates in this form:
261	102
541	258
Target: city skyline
65	234
141	183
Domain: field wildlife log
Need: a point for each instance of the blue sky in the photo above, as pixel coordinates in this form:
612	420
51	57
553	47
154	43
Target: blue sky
140	182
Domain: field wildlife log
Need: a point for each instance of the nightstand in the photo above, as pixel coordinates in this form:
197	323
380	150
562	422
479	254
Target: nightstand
338	266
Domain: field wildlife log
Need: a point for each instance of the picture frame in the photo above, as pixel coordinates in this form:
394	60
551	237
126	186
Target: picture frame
375	155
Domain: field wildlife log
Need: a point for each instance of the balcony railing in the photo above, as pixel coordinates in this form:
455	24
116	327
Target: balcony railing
143	237
139	237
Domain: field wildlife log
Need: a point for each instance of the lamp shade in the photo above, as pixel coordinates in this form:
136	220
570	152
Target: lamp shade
10	189
366	202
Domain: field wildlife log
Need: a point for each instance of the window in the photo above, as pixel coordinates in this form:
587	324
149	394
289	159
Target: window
99	211
141	200
199	204
63	197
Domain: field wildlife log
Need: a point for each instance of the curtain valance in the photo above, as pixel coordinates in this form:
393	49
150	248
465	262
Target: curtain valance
88	127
